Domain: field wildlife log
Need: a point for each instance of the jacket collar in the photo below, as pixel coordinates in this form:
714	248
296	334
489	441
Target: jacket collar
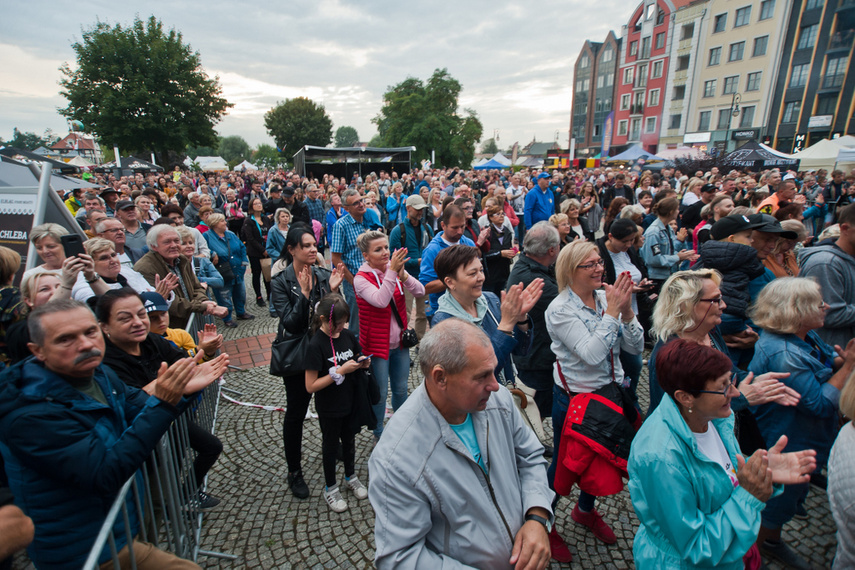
36	383
671	416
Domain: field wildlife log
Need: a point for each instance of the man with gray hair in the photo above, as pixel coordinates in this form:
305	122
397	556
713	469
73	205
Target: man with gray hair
164	258
458	478
541	247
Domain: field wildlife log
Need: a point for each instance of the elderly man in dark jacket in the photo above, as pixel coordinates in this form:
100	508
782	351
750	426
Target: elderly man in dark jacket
72	433
535	368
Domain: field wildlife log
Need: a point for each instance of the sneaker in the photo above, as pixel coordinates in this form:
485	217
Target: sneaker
334	500
298	485
559	548
595	522
356	486
784	554
230	324
801	512
206	501
260	302
245	317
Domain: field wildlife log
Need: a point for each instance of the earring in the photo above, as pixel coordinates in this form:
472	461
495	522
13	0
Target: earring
690	409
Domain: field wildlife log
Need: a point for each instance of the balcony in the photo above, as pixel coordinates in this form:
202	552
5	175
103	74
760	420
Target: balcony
636	109
640	82
841	40
634	136
830	81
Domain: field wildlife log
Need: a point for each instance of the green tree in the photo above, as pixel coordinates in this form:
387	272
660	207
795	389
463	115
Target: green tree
426	116
234	148
297	122
377	141
141	88
265	156
489	146
32	141
194	151
346	136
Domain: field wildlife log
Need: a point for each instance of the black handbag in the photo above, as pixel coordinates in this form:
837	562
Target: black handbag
224	266
409	338
287	354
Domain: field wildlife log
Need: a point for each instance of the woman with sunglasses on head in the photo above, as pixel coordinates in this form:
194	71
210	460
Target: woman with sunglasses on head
589	328
697	499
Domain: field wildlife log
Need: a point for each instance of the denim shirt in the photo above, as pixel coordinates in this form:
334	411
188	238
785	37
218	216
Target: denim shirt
587	343
812	423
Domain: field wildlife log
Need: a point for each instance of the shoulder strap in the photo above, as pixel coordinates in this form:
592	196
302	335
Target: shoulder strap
403	235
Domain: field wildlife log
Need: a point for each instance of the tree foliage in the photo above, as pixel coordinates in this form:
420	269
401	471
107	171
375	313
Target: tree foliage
194	151
265	156
377	141
32	141
489	146
234	148
297	122
141	88
346	136
425	116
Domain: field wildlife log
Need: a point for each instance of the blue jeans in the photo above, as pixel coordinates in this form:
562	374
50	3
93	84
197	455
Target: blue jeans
350	297
560	403
233	295
781	509
631	364
394	371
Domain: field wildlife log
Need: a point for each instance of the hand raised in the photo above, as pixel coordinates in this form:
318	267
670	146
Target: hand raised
790	468
754	475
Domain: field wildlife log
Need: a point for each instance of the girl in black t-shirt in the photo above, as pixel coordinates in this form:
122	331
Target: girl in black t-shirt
332	358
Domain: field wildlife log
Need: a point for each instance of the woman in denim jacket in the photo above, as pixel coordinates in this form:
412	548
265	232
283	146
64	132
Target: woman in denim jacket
662	250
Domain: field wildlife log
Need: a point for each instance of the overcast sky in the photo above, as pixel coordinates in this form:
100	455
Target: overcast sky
514	60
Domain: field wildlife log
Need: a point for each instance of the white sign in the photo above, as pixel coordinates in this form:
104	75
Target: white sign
697	137
820	121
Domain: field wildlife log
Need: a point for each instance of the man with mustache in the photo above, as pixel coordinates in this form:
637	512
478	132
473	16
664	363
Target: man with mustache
72	433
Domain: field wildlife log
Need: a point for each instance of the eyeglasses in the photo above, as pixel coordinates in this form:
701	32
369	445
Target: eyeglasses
592	265
724	392
717	300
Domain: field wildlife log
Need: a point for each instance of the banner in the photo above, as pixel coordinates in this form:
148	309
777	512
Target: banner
607	135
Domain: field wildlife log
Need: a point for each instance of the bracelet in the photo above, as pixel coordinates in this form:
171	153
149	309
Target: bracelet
523	322
66	287
97	277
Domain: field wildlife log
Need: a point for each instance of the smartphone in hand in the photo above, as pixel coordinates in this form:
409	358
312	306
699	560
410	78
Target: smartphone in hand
72	244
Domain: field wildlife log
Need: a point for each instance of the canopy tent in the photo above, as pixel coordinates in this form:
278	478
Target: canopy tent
211	163
846	159
823	154
343	162
14	173
130	165
501	159
632	154
492	164
23	155
478	162
754	157
529	161
689	152
776	152
80	161
246	165
846	140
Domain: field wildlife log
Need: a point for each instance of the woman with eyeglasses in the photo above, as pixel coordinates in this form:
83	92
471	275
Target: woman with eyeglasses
789	310
590	328
698	501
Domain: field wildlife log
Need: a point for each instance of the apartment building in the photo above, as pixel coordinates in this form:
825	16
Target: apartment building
594	78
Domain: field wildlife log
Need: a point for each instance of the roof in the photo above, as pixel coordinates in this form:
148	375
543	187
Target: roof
75	141
538	148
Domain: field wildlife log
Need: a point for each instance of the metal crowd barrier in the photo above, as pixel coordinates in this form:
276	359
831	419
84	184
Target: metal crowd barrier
160	503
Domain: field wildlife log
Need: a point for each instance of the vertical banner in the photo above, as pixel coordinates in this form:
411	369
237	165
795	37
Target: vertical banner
16	219
607	135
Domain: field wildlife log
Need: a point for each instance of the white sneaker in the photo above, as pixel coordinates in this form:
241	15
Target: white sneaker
356	487
334	499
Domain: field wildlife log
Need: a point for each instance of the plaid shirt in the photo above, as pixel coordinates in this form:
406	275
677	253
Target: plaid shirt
343	241
316	209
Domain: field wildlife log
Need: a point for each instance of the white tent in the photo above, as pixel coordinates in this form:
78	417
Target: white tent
846	140
846	159
479	162
211	163
502	159
246	165
79	161
681	152
823	154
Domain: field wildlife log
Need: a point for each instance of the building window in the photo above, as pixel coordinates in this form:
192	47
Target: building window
753	83
704	120
641	76
674	122
720	23
660	17
760	45
622	127
688	31
807	37
800	75
635	129
723	119
608	54
767	9
791	112
811	4
683	63
679	92
660	40
747	118
633	48
645	47
730	85
624	102
836	68
627	75
715	56
653	98
826	104
736	51
601	81
709	88
742	17
650	125
596	130
610	80
656	70
584	61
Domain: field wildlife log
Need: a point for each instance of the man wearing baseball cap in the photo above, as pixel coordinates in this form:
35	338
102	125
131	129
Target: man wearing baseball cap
691	216
539	202
135	231
415	235
111	197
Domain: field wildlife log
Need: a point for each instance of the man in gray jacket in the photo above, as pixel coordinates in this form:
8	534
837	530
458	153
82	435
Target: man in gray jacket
458	479
833	267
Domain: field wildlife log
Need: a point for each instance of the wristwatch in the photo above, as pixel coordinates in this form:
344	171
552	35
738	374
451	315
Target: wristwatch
541	520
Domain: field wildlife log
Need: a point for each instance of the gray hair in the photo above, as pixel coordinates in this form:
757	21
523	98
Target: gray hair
347	194
785	303
34	321
447	344
540	239
54	231
279	211
154	233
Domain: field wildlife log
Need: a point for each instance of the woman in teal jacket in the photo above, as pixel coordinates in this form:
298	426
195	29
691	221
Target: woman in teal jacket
698	501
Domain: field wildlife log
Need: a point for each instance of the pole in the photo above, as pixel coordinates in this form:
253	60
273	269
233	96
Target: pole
118	160
41	207
572	149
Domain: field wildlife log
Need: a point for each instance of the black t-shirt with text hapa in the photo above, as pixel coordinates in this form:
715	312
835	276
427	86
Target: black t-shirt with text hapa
333	401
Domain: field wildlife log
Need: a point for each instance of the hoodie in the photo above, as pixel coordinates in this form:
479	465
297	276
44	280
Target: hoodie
738	265
834	270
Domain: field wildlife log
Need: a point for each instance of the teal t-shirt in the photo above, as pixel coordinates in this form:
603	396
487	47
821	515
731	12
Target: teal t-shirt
466	433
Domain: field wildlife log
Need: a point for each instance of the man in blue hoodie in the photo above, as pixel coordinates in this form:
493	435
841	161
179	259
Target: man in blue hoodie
453	225
539	202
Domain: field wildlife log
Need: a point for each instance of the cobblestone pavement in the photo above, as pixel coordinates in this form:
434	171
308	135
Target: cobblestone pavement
260	521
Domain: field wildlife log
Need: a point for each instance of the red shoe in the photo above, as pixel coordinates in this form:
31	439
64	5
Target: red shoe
595	522
560	551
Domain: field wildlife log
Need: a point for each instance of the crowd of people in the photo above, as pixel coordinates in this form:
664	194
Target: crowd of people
741	285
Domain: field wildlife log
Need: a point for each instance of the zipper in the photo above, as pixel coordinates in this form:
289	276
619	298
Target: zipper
492	492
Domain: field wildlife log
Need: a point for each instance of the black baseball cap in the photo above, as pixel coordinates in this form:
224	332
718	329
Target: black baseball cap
124	204
729	225
709	188
768	224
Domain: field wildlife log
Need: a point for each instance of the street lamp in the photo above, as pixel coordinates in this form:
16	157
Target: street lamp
734	112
